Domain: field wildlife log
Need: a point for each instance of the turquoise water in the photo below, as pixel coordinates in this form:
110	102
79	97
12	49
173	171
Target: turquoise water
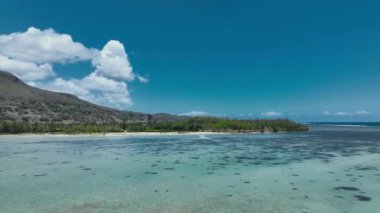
329	169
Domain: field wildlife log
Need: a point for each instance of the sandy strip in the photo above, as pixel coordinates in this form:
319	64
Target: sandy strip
117	134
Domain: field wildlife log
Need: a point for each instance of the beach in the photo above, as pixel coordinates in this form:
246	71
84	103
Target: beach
114	134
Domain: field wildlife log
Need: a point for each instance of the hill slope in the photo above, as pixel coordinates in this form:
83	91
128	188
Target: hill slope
21	102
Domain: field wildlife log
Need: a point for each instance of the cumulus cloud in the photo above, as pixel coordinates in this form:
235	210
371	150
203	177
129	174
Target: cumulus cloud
112	62
31	56
27	71
43	46
94	88
340	113
195	114
271	114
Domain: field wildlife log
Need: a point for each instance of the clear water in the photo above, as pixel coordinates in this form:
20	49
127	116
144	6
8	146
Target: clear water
329	169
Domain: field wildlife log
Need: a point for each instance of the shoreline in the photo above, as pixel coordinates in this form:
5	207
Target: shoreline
119	134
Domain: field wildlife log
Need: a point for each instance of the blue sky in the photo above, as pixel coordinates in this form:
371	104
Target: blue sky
306	60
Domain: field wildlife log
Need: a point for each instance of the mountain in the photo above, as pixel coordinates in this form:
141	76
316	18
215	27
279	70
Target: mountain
21	102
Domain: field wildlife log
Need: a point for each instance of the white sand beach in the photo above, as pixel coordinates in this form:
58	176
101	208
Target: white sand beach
117	134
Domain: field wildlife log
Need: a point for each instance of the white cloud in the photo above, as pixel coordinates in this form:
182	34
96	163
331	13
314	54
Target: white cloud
271	114
142	79
27	71
43	46
325	112
195	114
61	85
362	112
94	88
31	56
112	62
340	113
101	83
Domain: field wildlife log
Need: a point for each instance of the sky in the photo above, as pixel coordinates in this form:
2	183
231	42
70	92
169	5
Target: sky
304	60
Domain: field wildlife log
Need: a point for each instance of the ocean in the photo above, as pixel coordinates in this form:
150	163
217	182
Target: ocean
331	168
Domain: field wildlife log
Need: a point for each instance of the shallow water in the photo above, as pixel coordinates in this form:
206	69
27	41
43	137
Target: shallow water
329	169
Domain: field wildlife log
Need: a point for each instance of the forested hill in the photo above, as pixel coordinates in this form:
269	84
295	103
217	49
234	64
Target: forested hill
23	103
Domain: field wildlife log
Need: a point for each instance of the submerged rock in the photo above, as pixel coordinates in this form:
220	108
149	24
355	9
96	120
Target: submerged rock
362	198
348	188
151	173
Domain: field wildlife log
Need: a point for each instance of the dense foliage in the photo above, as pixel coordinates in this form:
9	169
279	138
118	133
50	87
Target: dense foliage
218	125
13	127
188	125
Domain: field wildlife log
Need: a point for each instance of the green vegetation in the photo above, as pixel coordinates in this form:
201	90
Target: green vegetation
187	125
210	124
14	127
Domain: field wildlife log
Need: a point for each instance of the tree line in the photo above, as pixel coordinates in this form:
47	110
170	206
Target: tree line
219	125
188	125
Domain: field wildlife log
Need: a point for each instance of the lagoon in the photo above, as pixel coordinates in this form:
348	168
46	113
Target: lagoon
329	169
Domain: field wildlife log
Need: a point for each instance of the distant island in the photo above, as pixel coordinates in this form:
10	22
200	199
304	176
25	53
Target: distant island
26	109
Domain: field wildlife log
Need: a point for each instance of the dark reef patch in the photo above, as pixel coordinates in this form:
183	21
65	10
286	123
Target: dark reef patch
362	198
366	168
151	173
347	188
